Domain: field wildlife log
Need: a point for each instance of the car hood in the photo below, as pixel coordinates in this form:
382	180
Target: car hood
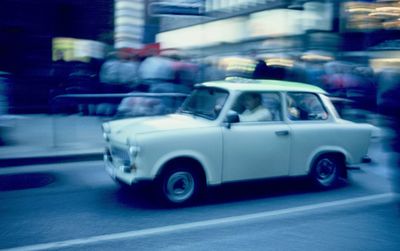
122	129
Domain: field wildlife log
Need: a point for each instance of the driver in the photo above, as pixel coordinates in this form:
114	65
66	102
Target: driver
254	111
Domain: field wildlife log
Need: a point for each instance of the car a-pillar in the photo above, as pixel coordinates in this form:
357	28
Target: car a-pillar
327	169
180	181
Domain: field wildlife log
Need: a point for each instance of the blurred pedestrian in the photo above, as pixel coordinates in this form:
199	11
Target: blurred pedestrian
211	70
5	122
5	82
119	72
314	72
156	72
364	93
261	71
388	101
186	73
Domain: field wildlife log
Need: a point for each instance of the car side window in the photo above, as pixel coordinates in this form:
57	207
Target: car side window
272	101
305	106
258	106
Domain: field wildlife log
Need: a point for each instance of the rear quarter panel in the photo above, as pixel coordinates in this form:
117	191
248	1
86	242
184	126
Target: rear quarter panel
310	139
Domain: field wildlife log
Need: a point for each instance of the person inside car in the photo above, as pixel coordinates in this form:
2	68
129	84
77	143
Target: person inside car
254	110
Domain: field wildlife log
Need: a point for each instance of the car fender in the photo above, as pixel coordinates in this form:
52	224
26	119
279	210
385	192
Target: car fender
211	177
327	149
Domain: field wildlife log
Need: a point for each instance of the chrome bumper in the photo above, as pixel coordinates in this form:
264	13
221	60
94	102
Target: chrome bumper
122	172
110	168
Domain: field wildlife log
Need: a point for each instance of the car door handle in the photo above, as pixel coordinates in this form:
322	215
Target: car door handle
282	133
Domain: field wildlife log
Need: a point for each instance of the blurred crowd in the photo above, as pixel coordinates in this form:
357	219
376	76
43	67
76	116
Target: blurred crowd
128	71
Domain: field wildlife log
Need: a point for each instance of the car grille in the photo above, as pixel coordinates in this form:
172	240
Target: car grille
120	154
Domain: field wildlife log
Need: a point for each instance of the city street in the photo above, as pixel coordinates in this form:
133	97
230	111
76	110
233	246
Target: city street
272	88
76	206
262	80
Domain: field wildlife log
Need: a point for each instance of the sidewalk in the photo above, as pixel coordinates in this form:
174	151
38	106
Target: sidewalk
34	139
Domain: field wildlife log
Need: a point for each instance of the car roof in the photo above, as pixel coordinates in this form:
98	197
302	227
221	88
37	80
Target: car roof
242	84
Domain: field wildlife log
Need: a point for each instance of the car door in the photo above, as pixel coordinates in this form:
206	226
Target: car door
311	129
259	149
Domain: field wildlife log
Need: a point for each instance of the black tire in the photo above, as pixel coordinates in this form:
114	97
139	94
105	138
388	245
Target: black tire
179	186
325	172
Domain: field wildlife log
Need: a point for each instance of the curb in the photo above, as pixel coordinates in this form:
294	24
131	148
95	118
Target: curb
49	159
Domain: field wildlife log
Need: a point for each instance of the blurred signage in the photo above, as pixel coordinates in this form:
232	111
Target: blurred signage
318	16
146	50
177	7
150	49
277	22
129	22
222	31
71	49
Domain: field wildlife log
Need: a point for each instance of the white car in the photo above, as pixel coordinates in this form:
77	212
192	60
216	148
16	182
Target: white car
208	141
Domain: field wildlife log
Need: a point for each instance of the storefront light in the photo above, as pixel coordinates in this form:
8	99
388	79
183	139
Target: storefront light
392	25
129	21
279	62
354	10
128	35
128	5
382	63
384	14
239	64
316	57
386	1
389	9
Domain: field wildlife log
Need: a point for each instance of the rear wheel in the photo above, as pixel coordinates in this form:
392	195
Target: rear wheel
179	185
325	171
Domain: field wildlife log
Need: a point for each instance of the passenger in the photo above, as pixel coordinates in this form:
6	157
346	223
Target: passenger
311	108
293	111
254	110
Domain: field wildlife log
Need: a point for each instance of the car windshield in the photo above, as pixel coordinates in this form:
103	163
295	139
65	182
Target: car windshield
205	102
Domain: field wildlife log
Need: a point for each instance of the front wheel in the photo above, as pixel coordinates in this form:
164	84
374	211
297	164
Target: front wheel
179	186
325	171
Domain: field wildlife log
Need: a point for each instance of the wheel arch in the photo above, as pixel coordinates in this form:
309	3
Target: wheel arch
337	154
188	161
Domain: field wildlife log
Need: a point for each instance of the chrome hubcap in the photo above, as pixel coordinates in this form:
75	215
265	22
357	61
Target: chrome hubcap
326	170
180	186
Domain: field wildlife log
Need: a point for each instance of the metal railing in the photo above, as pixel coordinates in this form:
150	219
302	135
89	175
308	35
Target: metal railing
73	102
66	129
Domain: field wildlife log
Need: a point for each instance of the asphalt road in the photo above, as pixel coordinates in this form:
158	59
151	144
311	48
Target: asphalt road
76	206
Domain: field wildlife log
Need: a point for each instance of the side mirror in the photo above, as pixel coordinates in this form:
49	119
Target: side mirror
231	117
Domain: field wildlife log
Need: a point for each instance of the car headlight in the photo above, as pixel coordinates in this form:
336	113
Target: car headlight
105	136
106	131
106	128
133	149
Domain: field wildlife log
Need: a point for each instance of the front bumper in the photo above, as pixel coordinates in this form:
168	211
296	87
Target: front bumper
124	173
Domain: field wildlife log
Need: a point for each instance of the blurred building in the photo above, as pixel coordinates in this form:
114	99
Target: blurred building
262	26
40	39
371	30
41	42
354	30
134	27
27	29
